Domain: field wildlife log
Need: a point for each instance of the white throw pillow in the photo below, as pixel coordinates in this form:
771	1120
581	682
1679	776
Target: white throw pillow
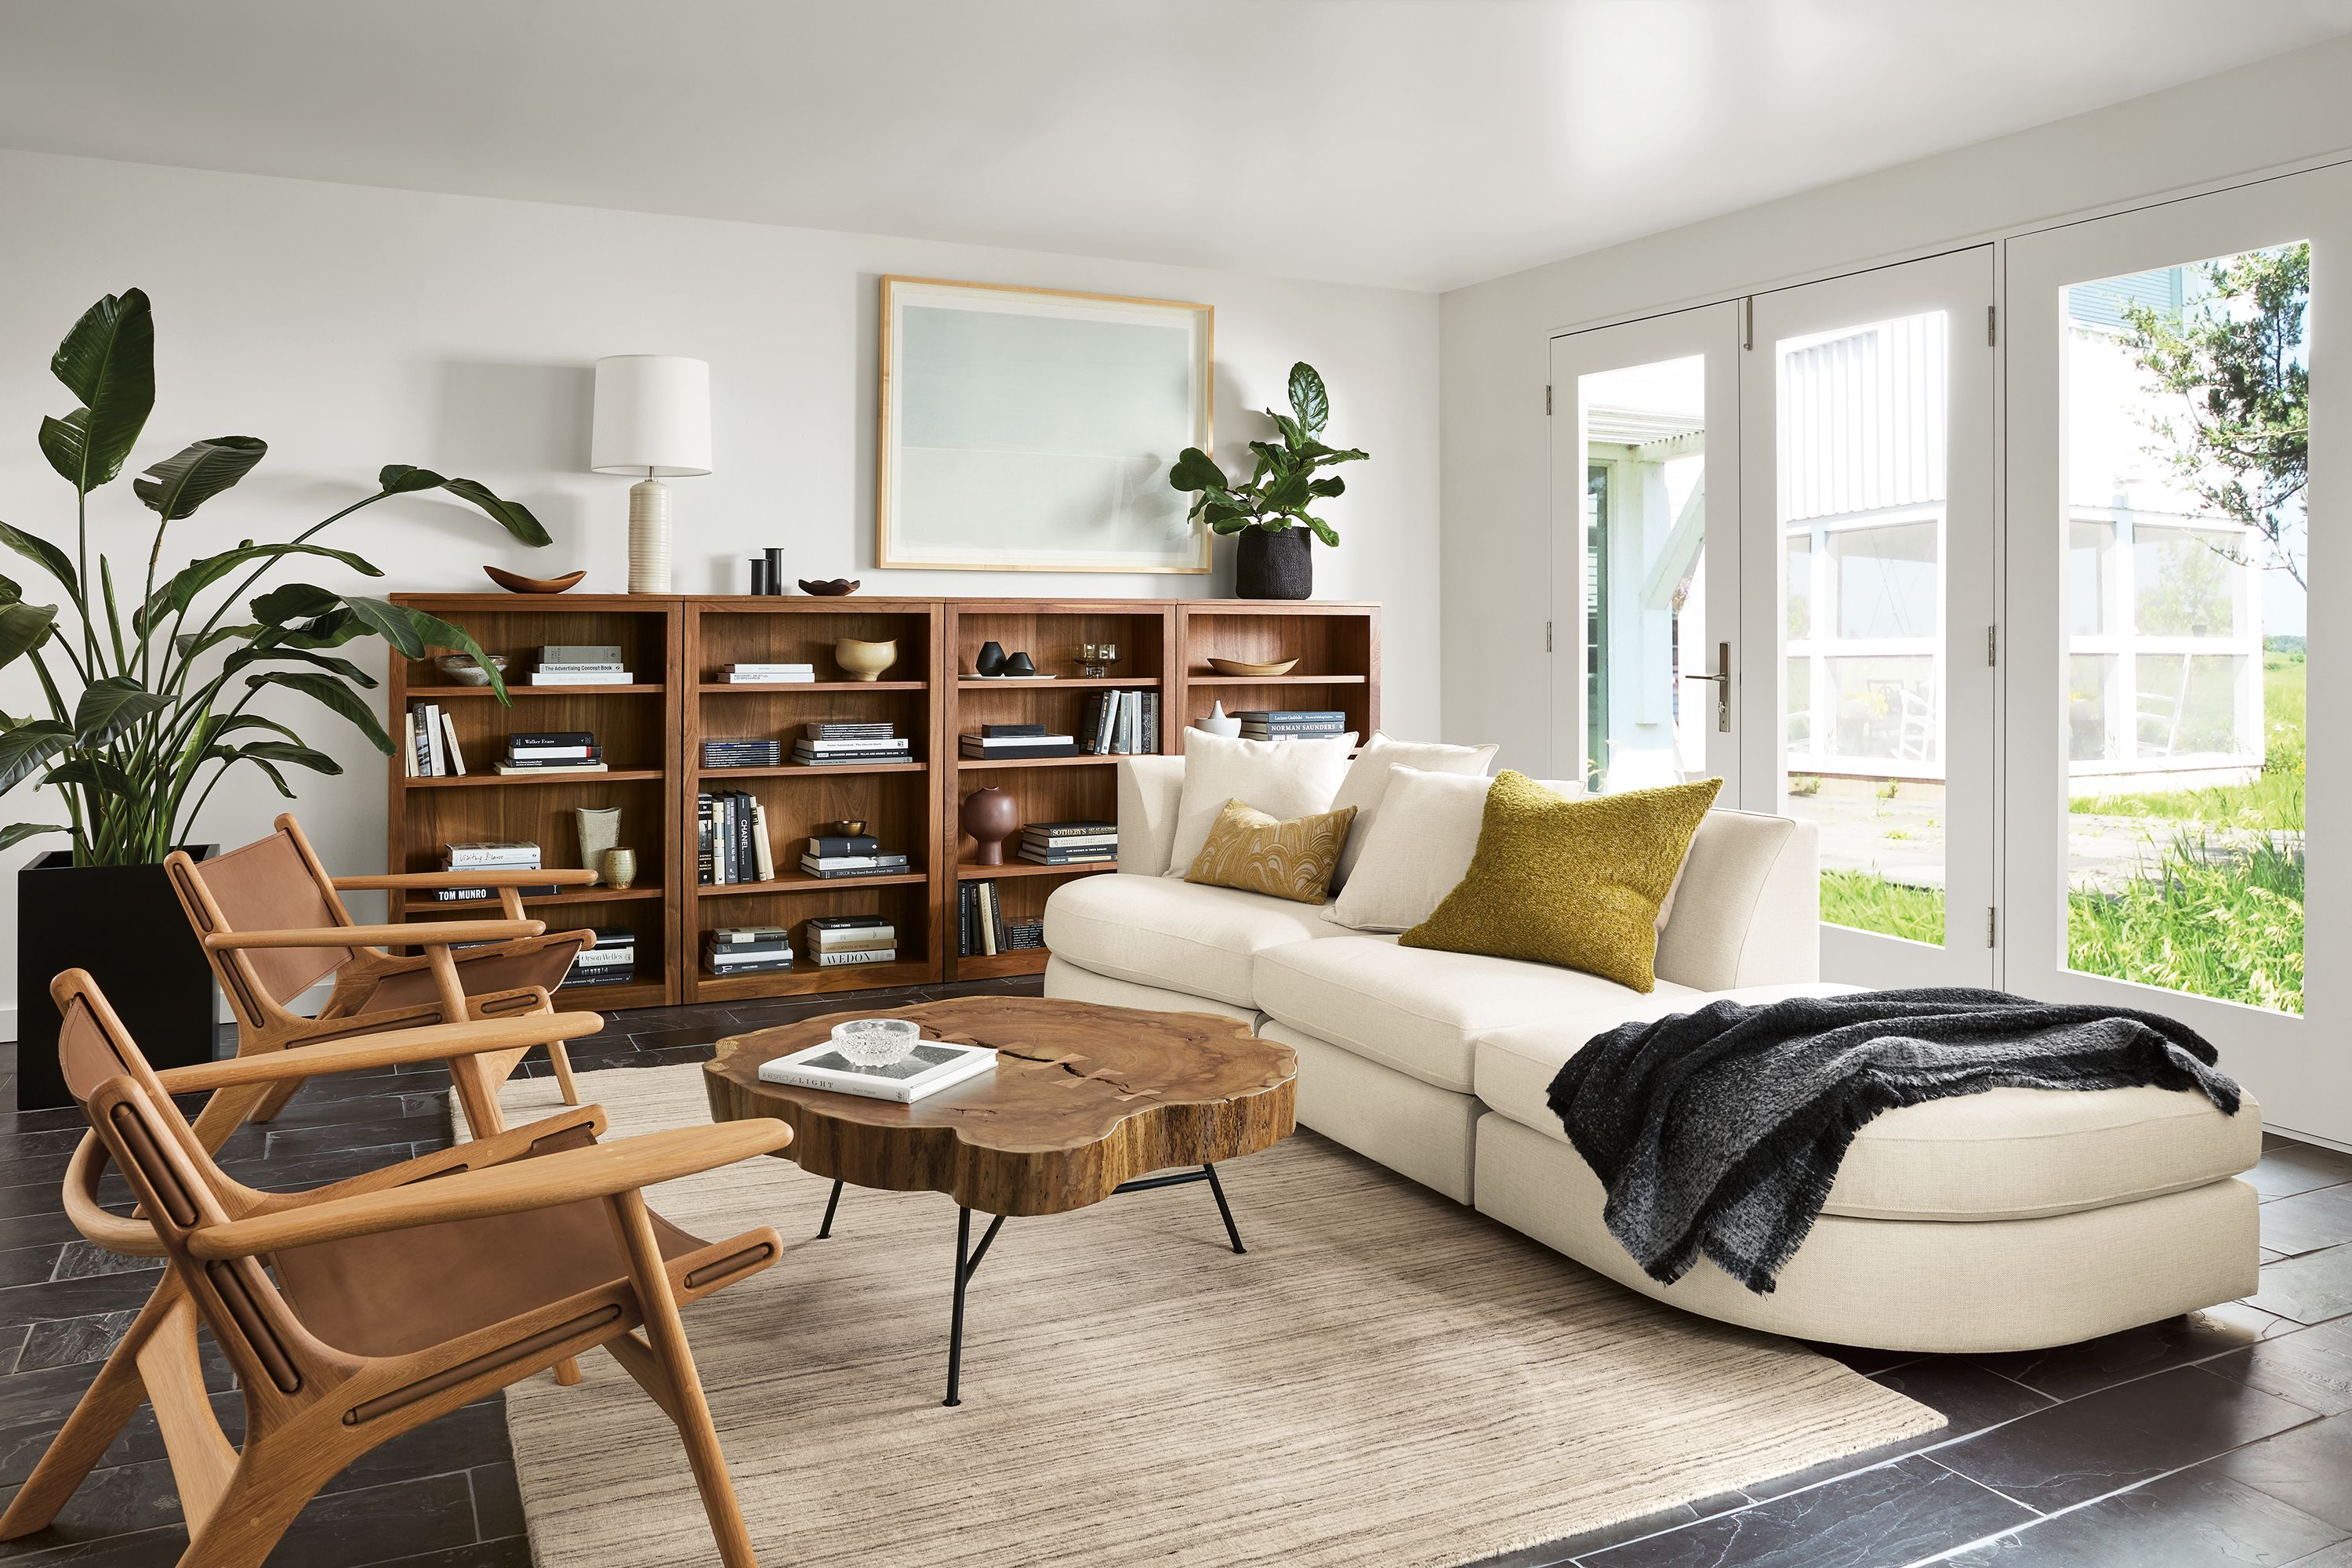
1284	779
1367	784
1417	850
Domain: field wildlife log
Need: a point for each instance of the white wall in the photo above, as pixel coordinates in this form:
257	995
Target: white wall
352	327
1496	335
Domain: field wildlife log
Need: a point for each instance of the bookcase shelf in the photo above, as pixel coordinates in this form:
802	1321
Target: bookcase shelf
676	645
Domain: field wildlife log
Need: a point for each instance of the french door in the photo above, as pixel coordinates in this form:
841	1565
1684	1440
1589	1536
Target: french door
2177	489
1646	552
1867	500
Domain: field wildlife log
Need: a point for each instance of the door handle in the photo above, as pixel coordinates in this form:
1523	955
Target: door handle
1722	678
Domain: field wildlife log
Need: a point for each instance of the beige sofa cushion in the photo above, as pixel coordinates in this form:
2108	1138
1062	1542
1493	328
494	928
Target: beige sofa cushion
1178	935
1421	1011
1366	787
2008	1154
1284	779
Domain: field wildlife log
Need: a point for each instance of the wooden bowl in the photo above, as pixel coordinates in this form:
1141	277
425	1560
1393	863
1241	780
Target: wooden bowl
848	828
830	587
1243	666
516	583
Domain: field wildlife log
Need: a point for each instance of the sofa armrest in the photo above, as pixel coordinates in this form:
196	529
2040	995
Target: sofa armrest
1748	910
1151	788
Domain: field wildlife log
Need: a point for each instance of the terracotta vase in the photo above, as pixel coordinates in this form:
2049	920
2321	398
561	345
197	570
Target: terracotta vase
990	817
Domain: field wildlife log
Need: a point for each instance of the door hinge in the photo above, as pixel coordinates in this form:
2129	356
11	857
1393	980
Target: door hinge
1747	321
1992	316
1992	646
1992	926
1547	402
1547	636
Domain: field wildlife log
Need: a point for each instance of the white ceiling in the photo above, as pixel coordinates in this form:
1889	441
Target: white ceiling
1421	143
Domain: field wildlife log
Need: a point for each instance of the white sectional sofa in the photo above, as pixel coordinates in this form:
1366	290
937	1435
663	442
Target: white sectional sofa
2004	1220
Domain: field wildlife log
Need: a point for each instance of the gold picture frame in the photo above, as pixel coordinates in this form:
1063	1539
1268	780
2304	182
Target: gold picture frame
1032	429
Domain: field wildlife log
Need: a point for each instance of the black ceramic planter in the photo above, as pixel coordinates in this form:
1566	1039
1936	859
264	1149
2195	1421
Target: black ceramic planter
1274	563
124	924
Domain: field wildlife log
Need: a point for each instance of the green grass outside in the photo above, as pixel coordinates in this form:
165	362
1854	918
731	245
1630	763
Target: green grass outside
2272	800
1870	902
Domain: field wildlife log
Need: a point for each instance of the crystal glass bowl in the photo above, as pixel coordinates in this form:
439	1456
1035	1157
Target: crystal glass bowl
876	1042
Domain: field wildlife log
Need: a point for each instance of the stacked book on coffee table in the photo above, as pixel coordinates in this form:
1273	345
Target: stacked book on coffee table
552	751
611	959
768	674
850	855
1011	743
835	742
1069	842
1297	724
834	941
747	950
581	664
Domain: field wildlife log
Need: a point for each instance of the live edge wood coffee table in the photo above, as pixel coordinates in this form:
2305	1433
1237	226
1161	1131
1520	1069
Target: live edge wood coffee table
1084	1101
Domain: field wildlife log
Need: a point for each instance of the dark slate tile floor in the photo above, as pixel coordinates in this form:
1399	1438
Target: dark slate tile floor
2221	1437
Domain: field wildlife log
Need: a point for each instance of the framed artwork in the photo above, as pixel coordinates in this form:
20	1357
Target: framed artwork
1032	430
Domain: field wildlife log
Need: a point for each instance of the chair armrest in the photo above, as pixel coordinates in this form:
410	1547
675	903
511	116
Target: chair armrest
503	877
546	1181
434	1042
419	934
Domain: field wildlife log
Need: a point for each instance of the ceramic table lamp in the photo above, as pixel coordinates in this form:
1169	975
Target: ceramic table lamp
653	419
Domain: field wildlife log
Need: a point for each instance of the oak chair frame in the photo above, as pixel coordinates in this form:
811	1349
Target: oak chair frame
311	1409
264	1024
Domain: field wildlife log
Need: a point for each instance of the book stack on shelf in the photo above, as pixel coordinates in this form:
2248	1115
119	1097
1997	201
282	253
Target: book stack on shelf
1121	723
983	928
555	752
839	941
581	664
1069	842
747	950
835	742
431	738
742	752
731	839
853	855
1257	724
610	960
493	855
768	674
1006	742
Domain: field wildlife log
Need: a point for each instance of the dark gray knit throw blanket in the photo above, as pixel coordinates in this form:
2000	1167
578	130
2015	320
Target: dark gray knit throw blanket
1719	1131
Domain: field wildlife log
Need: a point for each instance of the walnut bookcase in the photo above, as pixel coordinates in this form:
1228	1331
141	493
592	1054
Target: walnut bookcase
653	734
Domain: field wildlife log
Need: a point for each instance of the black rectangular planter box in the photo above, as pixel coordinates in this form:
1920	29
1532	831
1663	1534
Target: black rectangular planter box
123	924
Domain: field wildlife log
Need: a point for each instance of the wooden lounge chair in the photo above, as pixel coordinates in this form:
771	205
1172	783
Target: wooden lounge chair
273	924
361	1310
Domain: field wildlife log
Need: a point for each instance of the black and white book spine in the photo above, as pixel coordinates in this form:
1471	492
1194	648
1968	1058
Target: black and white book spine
859	844
842	960
705	869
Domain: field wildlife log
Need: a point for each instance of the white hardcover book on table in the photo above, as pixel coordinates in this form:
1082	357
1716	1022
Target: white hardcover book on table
932	1065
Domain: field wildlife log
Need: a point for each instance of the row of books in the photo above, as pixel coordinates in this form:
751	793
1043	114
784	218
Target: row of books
771	674
850	855
731	842
981	928
610	960
581	664
1069	842
831	941
487	855
552	751
742	752
1121	723
1258	725
836	741
429	737
1001	742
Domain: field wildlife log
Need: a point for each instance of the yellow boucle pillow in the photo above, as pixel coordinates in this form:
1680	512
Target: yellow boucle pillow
1260	853
1574	882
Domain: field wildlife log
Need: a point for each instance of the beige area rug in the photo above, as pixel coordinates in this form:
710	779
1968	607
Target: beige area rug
1385	1376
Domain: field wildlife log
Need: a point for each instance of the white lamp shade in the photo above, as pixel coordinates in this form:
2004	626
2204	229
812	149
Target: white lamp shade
653	417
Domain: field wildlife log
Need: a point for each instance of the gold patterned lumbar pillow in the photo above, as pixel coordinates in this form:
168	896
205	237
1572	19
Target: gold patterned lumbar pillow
1575	882
1261	854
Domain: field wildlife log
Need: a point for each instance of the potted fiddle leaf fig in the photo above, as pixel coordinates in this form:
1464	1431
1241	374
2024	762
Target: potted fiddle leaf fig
1274	558
148	675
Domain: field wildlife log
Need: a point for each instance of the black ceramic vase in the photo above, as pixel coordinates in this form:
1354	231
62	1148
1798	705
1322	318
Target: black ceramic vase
1274	563
991	660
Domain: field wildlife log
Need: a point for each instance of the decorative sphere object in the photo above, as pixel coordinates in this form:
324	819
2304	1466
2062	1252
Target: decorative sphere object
865	660
876	1042
462	669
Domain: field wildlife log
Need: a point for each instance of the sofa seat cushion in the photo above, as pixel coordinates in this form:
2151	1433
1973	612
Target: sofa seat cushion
1422	1010
2008	1154
1181	936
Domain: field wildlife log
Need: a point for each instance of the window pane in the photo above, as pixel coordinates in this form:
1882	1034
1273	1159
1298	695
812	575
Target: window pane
1886	709
2187	419
1801	586
1800	698
1886	581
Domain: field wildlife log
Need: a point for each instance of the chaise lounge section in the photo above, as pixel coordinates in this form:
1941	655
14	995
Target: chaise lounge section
2010	1220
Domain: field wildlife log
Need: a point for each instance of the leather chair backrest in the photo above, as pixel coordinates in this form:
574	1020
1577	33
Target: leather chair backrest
267	885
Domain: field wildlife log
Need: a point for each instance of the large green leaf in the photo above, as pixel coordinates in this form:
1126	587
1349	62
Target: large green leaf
228	756
1307	398
1323	531
91	771
198	575
302	756
262	653
403	478
1287	492
293	602
27	746
195	473
112	705
1196	471
23	628
511	515
1332	484
17	832
330	692
108	360
415	633
190	645
41	552
441	634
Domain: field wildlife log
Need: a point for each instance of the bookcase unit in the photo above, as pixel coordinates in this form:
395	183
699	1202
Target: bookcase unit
897	801
653	732
638	727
